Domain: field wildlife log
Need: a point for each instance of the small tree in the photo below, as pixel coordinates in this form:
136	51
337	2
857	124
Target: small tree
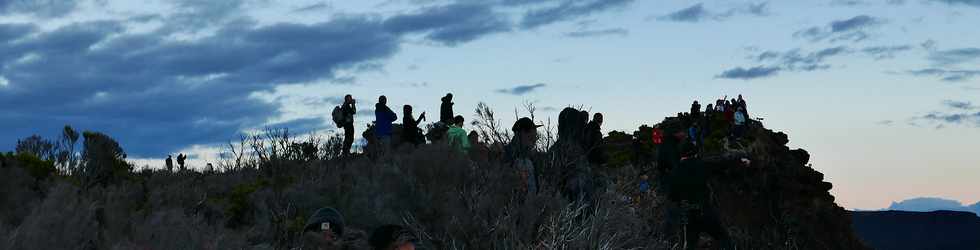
37	146
66	156
103	160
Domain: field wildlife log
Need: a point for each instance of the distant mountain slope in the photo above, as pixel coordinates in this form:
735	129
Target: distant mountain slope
929	204
918	230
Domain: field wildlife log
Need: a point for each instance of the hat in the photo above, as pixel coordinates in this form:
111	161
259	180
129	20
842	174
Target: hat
524	124
326	215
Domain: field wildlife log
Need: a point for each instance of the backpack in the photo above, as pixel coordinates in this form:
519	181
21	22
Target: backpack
338	116
658	137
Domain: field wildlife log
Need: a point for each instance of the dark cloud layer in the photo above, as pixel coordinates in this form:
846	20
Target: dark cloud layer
451	24
946	75
522	89
955	56
157	94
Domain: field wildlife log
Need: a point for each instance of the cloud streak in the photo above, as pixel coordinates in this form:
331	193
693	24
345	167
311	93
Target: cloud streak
522	89
850	30
698	13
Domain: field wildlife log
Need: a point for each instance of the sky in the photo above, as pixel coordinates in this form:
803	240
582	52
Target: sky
884	94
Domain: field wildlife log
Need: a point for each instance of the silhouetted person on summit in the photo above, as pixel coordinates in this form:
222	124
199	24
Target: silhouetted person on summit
410	127
383	117
348	110
180	160
593	141
695	110
446	110
170	163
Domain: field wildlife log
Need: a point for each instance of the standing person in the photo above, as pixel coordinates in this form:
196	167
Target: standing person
457	136
170	163
410	126
729	112
741	104
348	110
709	110
695	110
739	122
520	150
383	117
593	141
180	160
479	152
446	109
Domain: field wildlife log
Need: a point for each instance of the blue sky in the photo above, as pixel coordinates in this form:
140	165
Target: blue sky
883	93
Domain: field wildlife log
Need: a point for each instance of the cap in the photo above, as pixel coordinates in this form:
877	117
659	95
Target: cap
524	124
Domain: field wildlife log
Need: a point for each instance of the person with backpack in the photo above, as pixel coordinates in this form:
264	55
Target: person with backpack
457	136
383	117
446	109
520	150
180	161
411	133
343	117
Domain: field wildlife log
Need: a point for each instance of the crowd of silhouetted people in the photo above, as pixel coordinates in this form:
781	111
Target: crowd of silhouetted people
682	175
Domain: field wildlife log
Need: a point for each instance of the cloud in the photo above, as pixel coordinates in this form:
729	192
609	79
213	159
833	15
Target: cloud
946	75
300	126
38	8
698	13
849	3
942	118
144	88
929	204
974	3
566	10
313	7
954	56
795	60
694	13
451	24
963	105
885	52
598	33
852	29
749	73
522	89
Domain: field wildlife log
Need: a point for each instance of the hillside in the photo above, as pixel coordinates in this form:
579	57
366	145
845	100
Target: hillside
261	199
918	230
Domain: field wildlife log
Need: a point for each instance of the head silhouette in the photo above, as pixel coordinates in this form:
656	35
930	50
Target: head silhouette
383	100
348	98
458	120
597	118
407	109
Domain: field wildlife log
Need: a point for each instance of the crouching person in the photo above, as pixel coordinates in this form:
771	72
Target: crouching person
324	230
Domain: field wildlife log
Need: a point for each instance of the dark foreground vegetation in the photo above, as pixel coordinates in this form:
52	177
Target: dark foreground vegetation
268	186
918	230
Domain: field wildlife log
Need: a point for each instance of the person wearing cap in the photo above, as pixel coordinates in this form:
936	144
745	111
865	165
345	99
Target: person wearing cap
457	136
519	151
392	237
326	226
